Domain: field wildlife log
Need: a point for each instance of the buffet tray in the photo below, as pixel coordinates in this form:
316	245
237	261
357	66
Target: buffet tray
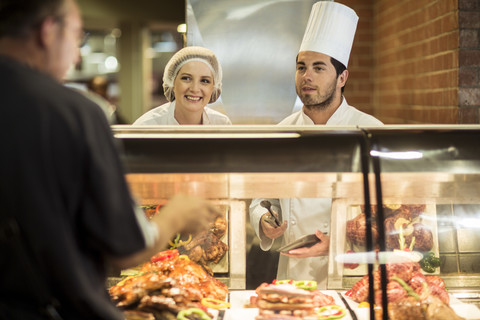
465	310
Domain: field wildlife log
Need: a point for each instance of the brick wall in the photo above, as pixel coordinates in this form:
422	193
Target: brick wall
359	89
416	61
469	61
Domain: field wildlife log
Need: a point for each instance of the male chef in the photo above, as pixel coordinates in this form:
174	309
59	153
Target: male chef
320	78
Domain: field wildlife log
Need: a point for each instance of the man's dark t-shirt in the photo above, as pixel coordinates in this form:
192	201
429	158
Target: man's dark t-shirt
62	182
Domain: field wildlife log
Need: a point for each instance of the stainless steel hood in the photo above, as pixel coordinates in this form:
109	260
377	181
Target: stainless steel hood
256	42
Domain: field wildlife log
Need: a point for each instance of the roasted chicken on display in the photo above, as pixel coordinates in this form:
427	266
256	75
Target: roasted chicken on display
205	248
165	287
403	222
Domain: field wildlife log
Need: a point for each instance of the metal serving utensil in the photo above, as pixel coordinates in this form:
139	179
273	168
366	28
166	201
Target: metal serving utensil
267	205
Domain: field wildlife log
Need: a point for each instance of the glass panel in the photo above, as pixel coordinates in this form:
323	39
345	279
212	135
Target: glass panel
233	166
437	167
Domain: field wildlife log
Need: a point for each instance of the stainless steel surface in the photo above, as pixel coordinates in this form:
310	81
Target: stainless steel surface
465	289
223	149
151	187
467	295
468	240
458	282
434	188
256	42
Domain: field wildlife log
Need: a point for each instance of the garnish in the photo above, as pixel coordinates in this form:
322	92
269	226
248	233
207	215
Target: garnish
215	303
331	312
164	255
197	312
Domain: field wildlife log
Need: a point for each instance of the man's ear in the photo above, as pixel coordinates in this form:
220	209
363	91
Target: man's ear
342	78
48	31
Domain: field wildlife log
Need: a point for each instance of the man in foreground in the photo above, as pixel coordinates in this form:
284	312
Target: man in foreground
66	214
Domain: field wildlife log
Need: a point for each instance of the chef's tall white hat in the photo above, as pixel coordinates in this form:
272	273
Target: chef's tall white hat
330	30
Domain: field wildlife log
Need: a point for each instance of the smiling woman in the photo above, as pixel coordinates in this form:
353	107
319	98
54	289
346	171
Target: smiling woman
191	80
193	88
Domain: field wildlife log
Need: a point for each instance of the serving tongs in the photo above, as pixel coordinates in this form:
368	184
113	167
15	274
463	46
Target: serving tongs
272	220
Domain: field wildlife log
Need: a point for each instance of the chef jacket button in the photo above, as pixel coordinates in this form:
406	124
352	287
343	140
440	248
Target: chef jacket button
325	225
294	222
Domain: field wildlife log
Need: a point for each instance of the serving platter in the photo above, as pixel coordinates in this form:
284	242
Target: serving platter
465	310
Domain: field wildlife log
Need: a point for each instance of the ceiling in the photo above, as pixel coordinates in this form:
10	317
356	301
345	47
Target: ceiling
112	12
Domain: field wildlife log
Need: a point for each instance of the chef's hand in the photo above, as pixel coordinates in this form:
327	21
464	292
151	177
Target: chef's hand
184	214
270	231
318	249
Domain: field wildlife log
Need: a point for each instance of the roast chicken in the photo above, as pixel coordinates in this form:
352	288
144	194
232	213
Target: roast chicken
400	221
357	230
207	247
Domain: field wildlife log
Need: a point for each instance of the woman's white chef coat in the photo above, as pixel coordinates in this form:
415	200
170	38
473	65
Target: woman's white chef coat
165	115
306	215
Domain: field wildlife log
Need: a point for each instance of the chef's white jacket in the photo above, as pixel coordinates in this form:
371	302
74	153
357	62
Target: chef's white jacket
165	115
345	115
305	215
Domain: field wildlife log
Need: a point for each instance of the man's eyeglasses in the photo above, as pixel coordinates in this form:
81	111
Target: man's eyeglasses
83	39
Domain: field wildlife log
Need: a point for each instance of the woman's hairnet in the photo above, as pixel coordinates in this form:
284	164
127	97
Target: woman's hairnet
188	54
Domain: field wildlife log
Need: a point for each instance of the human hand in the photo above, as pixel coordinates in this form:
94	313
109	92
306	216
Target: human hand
270	231
184	214
319	249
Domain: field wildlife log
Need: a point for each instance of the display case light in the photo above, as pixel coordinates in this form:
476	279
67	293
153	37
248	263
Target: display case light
398	155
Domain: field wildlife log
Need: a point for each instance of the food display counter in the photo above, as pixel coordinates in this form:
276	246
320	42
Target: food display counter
403	187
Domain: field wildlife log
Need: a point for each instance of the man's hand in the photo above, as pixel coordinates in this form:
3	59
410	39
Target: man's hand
184	214
270	231
319	249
